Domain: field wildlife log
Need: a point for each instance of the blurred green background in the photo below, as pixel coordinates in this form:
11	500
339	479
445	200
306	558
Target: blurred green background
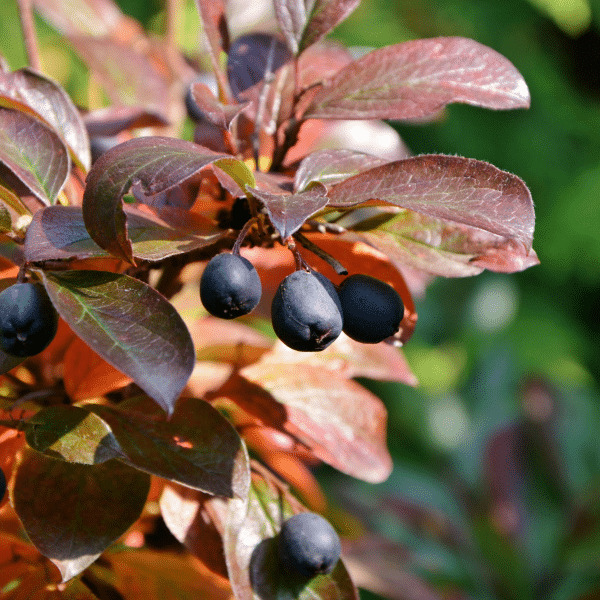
494	354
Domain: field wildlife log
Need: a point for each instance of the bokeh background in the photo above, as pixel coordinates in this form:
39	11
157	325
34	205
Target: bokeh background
496	486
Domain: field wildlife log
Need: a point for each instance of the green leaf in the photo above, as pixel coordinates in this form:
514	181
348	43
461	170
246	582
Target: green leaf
5	220
72	512
196	447
72	434
130	325
10	198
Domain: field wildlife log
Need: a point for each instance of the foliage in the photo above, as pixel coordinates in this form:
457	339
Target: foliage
142	410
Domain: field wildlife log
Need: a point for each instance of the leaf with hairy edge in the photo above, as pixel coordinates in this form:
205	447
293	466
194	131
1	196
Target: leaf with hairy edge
72	512
304	22
418	78
250	540
332	166
445	248
343	423
457	189
34	153
130	325
59	233
196	447
72	434
157	164
287	212
29	90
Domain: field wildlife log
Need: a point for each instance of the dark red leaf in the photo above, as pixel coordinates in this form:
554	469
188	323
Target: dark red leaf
287	212
214	111
130	325
417	78
28	89
196	447
72	512
453	188
332	166
157	164
59	233
34	153
304	22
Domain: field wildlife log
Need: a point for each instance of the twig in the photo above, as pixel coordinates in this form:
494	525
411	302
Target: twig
337	266
27	25
243	233
171	22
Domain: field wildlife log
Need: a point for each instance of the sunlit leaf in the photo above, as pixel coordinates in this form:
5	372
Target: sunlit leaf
342	422
27	89
251	551
287	212
196	447
130	325
304	22
457	189
418	78
5	219
34	153
72	434
72	512
156	163
12	200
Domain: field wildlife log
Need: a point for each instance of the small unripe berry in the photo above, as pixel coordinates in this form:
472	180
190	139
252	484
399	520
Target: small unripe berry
28	319
230	286
309	545
372	309
306	312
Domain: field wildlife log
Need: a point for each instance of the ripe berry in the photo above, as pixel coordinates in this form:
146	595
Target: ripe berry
372	309
306	312
230	286
309	545
28	320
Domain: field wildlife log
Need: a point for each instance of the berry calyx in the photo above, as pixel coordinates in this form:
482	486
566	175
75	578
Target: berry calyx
306	312
230	286
28	319
309	545
372	309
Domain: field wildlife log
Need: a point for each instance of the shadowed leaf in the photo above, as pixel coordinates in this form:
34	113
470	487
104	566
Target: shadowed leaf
9	362
418	78
112	120
342	422
34	153
332	166
214	111
287	212
304	22
29	90
59	233
72	434
72	512
130	325
196	447
457	189
157	164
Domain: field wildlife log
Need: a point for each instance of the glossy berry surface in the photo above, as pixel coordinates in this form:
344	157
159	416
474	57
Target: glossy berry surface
28	320
230	286
306	312
309	545
372	309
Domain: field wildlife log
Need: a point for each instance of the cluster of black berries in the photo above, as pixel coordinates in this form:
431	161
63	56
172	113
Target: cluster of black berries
28	319
308	312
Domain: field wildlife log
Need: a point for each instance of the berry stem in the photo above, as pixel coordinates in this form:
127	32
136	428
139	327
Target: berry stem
337	266
243	233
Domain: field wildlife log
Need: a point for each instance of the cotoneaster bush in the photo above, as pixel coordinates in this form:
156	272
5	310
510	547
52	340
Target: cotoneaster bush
140	422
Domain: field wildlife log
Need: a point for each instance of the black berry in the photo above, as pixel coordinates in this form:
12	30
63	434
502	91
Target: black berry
230	286
309	545
28	320
372	309
306	312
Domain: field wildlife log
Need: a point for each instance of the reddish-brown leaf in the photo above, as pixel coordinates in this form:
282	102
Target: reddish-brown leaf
214	111
417	78
453	188
339	420
72	512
